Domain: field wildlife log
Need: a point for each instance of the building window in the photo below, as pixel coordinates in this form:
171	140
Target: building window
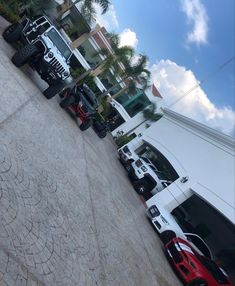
89	53
134	104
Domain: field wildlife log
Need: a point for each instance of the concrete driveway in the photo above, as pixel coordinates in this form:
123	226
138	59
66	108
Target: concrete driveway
68	214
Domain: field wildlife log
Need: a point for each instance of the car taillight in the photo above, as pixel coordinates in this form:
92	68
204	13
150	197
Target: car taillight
184	269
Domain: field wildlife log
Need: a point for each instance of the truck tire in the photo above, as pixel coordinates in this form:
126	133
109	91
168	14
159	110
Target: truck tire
141	186
23	55
166	236
12	33
85	125
102	134
64	92
52	90
67	101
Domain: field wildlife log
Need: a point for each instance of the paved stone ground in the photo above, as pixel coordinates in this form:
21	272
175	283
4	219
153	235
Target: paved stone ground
68	214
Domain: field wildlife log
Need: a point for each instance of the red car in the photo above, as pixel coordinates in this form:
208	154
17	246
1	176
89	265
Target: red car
194	268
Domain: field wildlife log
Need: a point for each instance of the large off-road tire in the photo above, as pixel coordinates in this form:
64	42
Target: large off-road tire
67	101
198	282
23	55
102	134
52	90
64	92
12	33
85	125
141	186
166	236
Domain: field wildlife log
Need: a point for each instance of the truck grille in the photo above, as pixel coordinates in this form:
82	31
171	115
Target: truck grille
56	64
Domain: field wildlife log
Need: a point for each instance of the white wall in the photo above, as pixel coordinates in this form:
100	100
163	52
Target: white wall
205	155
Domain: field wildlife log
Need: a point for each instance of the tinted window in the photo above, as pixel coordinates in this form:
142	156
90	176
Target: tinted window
199	244
213	268
59	43
145	159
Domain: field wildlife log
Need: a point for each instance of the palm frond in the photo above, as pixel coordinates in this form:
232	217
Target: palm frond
104	4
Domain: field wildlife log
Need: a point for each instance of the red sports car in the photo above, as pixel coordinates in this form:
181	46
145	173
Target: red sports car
194	268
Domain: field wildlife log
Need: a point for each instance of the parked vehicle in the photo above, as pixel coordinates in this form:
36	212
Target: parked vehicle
99	126
193	268
168	228
82	102
43	48
127	156
147	180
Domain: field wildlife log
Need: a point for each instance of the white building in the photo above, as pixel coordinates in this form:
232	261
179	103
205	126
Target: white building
130	108
202	195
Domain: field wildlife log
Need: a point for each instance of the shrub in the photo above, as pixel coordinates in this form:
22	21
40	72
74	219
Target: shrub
8	13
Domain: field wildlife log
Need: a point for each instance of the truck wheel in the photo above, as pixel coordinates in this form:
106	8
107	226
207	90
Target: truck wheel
67	101
52	90
64	92
141	187
166	236
12	33
102	134
85	125
23	55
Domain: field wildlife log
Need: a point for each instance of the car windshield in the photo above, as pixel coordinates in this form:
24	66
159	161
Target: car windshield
213	268
146	160
59	43
161	175
199	243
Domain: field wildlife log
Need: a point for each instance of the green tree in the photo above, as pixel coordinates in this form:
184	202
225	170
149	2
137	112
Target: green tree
136	73
112	59
150	114
88	8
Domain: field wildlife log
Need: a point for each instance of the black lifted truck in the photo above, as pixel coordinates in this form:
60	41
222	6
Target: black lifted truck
43	48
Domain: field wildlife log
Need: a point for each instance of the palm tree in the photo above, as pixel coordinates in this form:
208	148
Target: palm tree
150	114
112	60
35	7
136	74
87	8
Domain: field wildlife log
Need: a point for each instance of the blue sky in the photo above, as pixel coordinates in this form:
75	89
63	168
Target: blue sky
185	40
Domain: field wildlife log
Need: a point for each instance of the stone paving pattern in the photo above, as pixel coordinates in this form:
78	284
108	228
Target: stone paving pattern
68	214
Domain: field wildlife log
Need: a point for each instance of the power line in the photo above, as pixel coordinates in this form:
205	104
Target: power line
203	81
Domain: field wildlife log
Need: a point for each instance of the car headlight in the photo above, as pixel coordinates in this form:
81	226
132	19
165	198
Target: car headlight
65	73
144	169
50	55
154	211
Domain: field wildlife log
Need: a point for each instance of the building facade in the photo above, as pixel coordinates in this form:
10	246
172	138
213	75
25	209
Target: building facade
202	195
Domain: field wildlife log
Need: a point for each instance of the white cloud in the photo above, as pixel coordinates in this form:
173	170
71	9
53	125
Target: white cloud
128	38
197	16
173	81
109	19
